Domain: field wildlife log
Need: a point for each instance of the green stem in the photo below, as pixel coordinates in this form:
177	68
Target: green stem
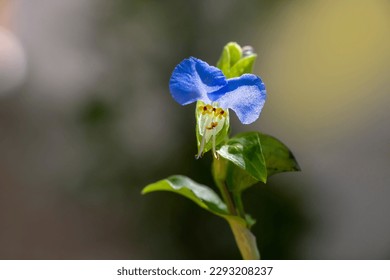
226	197
219	174
239	206
245	240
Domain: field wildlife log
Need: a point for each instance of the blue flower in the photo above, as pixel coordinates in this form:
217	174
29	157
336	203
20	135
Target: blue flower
194	80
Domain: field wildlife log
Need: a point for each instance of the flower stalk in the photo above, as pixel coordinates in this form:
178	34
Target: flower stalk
219	174
239	205
245	240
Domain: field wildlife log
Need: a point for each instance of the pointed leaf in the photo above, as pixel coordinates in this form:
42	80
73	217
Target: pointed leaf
252	157
202	195
278	156
206	198
244	150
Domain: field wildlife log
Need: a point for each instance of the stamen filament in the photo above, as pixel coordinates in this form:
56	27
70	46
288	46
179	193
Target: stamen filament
214	150
202	143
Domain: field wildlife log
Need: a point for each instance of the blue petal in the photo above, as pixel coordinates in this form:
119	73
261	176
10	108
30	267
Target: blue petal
244	95
192	79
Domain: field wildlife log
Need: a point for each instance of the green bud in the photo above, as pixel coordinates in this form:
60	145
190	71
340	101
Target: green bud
235	61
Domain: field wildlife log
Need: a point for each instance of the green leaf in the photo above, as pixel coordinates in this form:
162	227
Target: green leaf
278	156
245	151
243	66
237	179
206	198
252	157
202	195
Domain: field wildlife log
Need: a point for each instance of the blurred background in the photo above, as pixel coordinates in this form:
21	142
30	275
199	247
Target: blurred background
86	121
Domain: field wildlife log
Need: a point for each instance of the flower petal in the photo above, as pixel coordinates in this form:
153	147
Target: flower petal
245	95
192	79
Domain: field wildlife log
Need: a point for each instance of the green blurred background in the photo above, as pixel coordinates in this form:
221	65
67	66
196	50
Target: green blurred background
86	120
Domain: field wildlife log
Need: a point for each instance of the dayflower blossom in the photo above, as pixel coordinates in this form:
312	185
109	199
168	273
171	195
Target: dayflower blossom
194	80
